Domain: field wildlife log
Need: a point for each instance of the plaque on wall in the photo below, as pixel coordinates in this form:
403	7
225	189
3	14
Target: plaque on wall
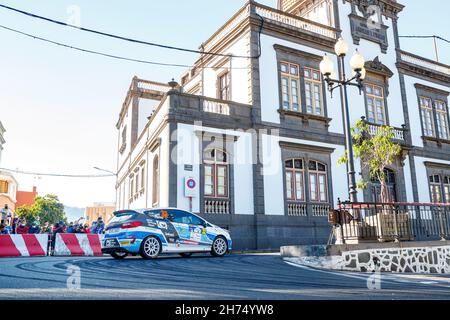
363	29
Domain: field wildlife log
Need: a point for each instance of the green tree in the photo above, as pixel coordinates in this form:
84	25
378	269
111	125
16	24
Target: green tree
47	208
376	152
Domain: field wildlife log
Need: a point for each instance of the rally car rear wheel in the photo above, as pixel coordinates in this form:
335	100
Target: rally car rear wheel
119	255
219	247
150	248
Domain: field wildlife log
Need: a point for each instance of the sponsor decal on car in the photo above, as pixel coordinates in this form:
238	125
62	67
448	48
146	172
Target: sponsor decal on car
162	224
189	242
111	243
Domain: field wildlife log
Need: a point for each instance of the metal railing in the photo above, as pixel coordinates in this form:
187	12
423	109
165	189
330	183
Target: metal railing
399	133
391	222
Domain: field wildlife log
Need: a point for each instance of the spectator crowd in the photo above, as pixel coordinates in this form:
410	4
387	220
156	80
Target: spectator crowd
19	225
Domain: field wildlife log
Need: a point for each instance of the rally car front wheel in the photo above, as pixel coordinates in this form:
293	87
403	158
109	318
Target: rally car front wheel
150	248
219	247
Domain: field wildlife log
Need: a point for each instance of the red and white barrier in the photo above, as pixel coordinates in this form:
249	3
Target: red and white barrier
78	244
23	245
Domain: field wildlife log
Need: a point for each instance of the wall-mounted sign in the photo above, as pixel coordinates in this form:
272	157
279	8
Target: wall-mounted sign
188	167
190	187
361	29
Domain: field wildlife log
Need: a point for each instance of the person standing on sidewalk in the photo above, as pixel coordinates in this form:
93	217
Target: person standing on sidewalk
6	214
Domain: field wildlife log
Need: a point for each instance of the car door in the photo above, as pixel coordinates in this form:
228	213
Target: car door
191	231
199	232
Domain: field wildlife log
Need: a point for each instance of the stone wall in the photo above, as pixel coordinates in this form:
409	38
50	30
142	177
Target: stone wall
417	260
409	257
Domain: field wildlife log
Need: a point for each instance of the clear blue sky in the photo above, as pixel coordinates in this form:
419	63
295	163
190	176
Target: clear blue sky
60	106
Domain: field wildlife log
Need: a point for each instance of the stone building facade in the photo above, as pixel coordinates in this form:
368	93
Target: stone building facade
254	126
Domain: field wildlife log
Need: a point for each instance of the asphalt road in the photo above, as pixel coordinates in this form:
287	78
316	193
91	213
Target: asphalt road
235	277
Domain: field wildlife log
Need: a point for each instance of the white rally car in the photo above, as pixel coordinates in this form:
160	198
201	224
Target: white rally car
150	232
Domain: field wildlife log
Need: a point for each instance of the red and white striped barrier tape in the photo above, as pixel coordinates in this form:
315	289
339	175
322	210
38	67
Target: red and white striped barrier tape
78	244
23	245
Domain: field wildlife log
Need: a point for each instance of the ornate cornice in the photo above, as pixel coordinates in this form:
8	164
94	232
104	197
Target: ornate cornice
423	73
375	66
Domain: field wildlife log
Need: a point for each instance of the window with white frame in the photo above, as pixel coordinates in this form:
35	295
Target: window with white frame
435	188
426	110
224	86
295	180
290	86
136	181
442	120
376	112
131	187
313	91
155	183
216	173
297	186
142	178
446	186
440	188
318	181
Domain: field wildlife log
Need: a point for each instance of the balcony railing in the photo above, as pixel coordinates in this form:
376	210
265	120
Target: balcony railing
399	133
391	222
152	86
272	15
297	209
303	209
283	18
217	206
211	109
216	107
425	63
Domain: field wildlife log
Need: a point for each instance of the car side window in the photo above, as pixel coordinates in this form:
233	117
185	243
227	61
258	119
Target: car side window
178	216
184	217
195	220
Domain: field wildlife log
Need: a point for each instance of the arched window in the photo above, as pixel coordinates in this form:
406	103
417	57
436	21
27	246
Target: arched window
155	185
216	175
318	181
391	186
295	179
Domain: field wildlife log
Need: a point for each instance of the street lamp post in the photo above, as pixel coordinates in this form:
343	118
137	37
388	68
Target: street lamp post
359	73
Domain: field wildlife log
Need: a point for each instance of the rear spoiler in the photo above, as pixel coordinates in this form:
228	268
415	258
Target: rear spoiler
121	212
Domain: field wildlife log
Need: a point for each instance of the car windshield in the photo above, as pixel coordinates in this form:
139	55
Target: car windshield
122	216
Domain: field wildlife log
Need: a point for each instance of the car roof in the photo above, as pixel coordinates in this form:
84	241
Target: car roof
143	210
